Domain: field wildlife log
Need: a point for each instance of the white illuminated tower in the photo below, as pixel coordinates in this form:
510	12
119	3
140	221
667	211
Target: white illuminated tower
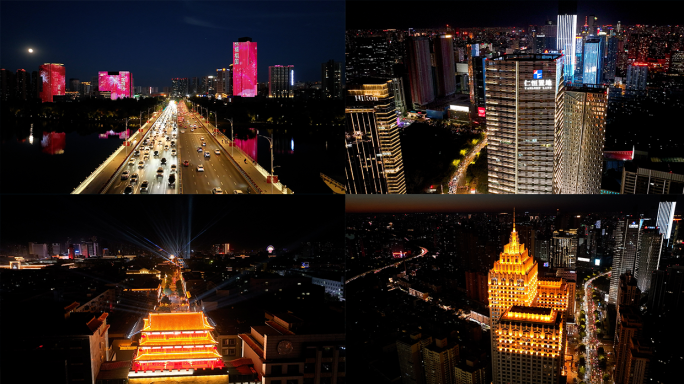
666	211
565	37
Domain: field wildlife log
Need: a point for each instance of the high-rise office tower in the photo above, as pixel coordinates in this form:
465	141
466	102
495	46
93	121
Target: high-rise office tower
420	70
523	97
650	248
439	361
677	63
593	61
666	294
179	87
399	95
245	67
567	30
527	315
579	141
637	74
638	361
331	79
629	324
23	84
564	249
194	86
119	83
627	234
611	59
281	81
579	57
369	56
550	31
628	291
650	181
444	65
209	85
53	77
374	160
36	85
410	353
665	218
476	80
224	80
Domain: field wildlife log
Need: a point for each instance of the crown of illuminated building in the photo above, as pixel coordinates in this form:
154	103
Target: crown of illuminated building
514	258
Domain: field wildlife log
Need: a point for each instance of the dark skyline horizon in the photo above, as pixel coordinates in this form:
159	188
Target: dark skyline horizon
543	204
170	222
303	34
503	14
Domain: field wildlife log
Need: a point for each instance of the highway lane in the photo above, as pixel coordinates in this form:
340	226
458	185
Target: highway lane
219	172
156	185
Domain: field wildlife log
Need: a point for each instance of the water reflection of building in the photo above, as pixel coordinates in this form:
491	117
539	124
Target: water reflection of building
53	143
125	134
248	145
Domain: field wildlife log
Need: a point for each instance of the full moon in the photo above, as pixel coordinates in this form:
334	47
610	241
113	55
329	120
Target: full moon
30	50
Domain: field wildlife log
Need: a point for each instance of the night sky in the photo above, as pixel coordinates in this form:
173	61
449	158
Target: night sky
490	13
492	203
245	222
160	40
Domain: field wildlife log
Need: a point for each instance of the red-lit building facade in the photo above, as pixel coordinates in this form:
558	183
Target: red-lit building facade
176	344
54	83
245	67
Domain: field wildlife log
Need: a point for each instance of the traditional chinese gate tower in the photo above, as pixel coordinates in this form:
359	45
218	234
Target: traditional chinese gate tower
176	344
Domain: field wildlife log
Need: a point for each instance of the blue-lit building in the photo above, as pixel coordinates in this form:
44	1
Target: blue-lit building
579	59
593	61
567	30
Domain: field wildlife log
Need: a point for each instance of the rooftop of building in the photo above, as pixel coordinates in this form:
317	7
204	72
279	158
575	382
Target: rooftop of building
180	321
529	57
672	168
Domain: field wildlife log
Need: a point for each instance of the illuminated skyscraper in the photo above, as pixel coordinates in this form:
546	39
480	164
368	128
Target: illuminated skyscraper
245	67
567	30
593	61
627	234
528	319
444	63
54	83
650	248
637	74
665	217
374	160
611	59
420	70
281	81
629	324
523	97
579	141
119	83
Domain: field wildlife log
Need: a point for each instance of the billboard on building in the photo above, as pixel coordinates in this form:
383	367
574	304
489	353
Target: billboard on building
245	69
53	77
118	83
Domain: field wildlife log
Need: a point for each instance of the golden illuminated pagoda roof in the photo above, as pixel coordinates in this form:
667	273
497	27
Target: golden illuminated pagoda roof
182	321
198	340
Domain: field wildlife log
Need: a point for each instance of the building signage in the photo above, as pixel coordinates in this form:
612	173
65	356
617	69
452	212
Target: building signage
365	98
537	74
538	84
583	259
634	225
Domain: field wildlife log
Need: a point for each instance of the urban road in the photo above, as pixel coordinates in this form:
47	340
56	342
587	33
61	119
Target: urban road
218	171
376	270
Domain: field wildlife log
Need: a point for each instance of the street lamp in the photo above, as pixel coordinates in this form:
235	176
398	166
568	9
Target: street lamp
232	138
270	142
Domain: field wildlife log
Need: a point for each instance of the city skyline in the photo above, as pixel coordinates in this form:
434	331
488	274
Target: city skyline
200	25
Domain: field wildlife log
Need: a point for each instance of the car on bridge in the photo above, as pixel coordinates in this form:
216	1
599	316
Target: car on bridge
207	154
173	168
128	190
124	175
141	164
186	163
199	149
238	192
134	178
160	172
217	191
163	161
131	161
217	152
172	180
144	186
156	153
200	168
173	152
204	143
